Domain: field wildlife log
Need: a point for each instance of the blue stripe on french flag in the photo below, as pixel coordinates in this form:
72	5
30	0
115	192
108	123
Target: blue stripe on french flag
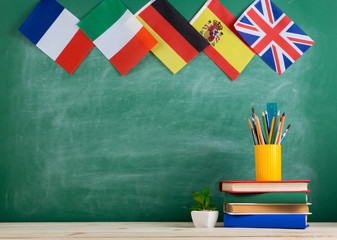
54	30
40	20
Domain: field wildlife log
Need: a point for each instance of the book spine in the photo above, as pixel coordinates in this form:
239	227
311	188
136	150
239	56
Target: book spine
282	197
294	221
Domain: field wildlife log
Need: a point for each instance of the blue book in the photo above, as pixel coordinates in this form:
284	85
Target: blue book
266	221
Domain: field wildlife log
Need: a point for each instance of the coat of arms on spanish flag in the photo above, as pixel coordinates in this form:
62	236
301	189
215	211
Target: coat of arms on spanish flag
216	24
178	42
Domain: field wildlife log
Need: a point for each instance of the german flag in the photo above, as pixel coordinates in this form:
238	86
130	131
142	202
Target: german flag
227	49
178	42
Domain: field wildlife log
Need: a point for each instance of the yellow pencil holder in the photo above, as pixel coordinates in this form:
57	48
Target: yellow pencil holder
268	162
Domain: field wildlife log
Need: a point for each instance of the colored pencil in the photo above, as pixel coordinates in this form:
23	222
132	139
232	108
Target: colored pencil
258	128
256	142
267	120
255	129
277	133
284	134
271	130
280	131
275	127
253	122
265	128
254	126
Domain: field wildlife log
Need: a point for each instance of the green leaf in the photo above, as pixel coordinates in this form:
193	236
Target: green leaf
207	201
204	199
195	193
199	198
211	207
196	207
205	192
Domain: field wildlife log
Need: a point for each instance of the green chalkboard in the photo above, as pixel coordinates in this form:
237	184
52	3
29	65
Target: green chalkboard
97	146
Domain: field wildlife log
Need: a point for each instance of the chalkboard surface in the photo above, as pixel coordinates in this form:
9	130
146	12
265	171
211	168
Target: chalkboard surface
97	146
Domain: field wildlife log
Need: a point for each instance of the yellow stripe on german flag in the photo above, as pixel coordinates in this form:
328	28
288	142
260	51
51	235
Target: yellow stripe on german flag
164	52
178	42
216	24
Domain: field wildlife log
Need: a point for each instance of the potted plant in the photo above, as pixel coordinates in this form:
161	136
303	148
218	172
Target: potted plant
203	214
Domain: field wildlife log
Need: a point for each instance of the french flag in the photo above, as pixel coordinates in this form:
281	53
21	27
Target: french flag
53	29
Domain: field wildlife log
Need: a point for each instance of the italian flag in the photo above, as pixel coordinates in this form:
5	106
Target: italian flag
117	34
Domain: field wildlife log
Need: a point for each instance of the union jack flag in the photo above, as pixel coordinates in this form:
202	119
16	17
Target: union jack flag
272	34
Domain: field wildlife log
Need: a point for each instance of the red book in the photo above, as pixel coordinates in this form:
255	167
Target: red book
263	186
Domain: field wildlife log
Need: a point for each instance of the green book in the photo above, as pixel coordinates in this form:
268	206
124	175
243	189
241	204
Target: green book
273	197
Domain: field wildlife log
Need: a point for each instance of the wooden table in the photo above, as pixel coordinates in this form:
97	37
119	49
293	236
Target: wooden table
153	231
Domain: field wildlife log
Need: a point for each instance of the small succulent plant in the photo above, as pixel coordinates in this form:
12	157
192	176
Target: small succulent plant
203	198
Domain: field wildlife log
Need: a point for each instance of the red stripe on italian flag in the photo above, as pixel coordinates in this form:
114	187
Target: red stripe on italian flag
123	40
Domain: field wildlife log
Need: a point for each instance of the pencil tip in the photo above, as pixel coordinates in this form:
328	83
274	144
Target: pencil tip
289	126
253	110
283	114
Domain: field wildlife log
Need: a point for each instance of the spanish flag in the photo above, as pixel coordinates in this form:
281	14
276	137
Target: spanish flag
178	42
216	24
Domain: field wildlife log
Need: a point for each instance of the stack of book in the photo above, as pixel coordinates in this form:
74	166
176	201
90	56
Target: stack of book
267	204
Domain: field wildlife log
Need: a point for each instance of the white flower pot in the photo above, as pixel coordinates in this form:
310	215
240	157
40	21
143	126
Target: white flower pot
204	219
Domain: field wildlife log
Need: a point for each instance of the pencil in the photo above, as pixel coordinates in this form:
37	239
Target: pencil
267	121
258	128
256	142
275	127
265	128
255	130
280	131
271	129
277	133
253	122
284	134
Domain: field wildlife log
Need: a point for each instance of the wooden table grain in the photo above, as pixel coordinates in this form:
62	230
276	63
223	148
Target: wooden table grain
156	230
